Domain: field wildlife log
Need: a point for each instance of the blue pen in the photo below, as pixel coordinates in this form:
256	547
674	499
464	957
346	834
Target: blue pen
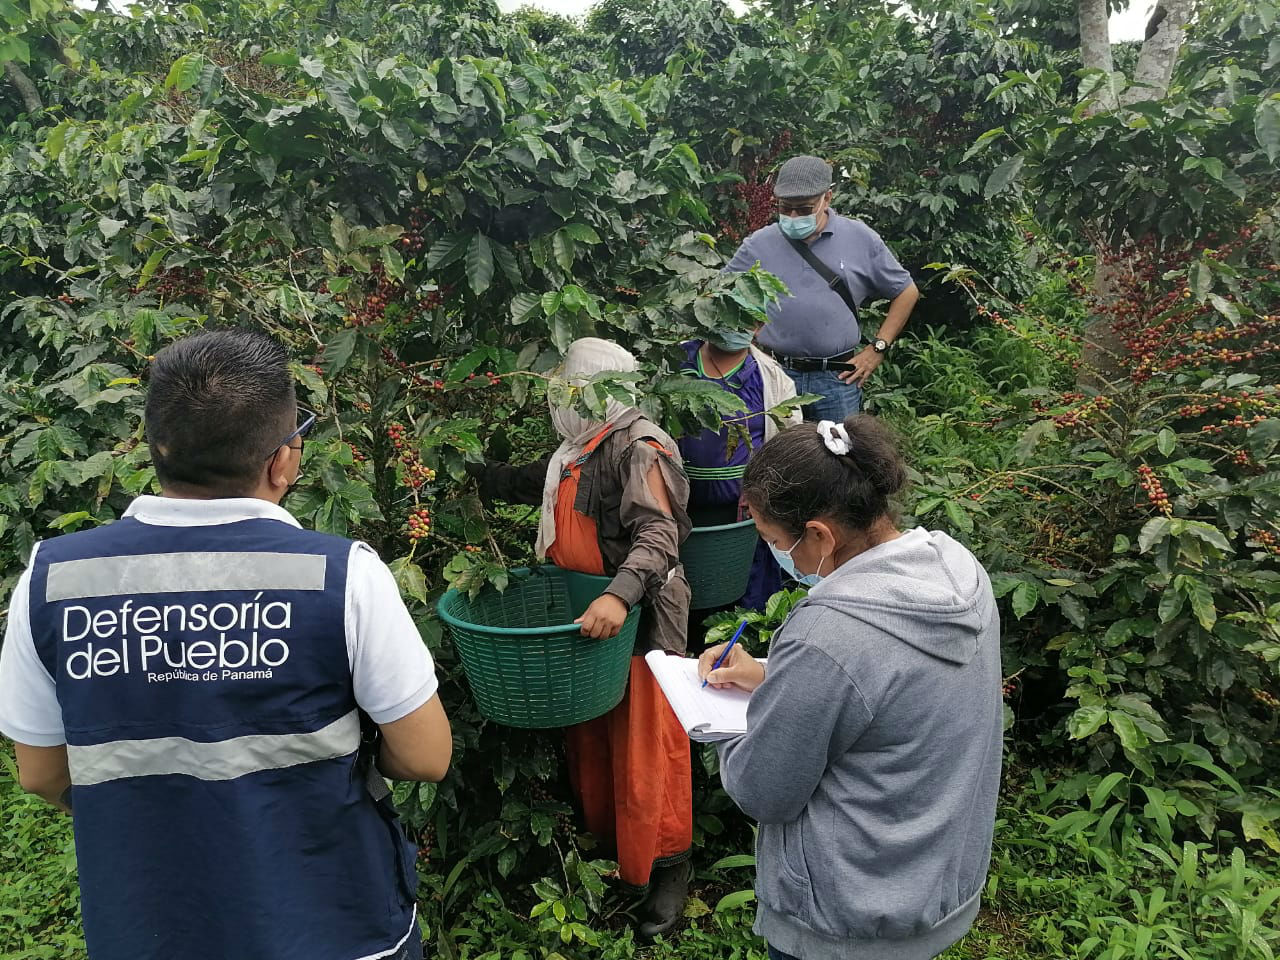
725	652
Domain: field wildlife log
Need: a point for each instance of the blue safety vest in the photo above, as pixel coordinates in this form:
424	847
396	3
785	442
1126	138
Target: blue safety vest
212	737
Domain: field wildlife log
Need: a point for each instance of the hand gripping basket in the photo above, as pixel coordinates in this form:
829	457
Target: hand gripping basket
717	562
527	661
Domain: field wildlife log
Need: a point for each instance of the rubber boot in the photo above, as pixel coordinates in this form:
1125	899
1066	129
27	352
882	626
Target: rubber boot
664	905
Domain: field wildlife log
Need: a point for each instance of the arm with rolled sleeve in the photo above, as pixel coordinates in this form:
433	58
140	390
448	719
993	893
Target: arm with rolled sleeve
807	711
393	674
655	526
30	714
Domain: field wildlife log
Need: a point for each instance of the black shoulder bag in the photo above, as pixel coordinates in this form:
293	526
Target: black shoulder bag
833	280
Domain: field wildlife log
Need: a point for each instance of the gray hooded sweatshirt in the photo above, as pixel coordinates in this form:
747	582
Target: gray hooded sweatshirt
872	756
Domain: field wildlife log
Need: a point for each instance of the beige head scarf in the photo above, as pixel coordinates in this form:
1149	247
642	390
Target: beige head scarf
583	359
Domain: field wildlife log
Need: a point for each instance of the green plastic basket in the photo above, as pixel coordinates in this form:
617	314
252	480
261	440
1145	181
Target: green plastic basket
717	562
527	662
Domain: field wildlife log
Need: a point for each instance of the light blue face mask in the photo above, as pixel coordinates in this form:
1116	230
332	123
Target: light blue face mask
731	341
797	228
788	564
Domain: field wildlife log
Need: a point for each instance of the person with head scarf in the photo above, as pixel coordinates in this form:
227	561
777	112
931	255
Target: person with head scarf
614	497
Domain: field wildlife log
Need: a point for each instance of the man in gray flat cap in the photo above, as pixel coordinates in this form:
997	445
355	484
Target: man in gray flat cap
832	265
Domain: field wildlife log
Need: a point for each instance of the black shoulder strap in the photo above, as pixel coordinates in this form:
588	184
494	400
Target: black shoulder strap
367	767
833	280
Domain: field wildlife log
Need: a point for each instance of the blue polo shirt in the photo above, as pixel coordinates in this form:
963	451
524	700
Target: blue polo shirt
814	321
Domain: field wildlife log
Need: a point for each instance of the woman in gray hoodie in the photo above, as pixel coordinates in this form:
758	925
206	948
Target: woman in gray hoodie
873	746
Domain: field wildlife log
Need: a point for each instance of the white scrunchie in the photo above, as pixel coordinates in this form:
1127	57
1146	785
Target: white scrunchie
835	436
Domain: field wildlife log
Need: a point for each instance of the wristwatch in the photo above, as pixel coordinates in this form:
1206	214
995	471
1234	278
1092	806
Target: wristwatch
880	345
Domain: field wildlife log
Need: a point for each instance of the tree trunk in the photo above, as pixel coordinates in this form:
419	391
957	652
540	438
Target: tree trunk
26	89
1100	354
1159	52
1095	45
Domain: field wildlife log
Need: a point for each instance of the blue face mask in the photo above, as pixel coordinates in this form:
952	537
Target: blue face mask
788	565
797	228
731	341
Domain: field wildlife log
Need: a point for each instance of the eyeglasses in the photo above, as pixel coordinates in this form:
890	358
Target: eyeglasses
306	420
798	208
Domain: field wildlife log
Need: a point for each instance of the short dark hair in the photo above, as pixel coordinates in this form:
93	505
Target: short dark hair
216	402
794	478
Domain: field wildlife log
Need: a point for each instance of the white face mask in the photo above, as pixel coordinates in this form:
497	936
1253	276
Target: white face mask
788	564
569	423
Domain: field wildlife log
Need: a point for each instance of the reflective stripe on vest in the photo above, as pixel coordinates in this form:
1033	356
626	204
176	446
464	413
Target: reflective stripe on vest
220	760
179	572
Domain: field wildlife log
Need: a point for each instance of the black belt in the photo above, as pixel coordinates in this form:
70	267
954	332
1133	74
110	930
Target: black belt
810	364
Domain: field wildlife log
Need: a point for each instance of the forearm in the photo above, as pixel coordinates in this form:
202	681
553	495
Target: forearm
43	771
654	553
899	313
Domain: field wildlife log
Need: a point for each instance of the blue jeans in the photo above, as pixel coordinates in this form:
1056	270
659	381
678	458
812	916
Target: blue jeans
839	399
775	954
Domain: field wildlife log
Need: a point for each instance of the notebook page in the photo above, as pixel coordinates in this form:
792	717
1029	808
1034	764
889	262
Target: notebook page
704	713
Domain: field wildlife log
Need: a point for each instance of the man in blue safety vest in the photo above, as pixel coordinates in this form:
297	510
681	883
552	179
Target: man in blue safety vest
192	681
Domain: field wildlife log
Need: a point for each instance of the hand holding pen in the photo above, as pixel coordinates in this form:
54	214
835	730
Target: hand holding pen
729	665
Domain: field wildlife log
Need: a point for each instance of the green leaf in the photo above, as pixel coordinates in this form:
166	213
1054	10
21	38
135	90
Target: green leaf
337	91
409	578
185	72
479	263
393	262
109	228
1225	307
696	907
468	364
1171	601
1131	738
149	268
1074	610
733	901
1002	176
446	250
14	48
734	860
1266	127
337	352
1258	827
1201	598
1201	280
1099	794
581	232
1153	531
1025	597
615	107
959	516
1031	437
1166	440
523	307
1085	721
564	248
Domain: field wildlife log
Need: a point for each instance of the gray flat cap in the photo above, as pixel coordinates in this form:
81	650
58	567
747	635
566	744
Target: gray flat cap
802	176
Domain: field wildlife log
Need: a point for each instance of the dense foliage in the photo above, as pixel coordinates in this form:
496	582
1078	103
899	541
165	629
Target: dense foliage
429	201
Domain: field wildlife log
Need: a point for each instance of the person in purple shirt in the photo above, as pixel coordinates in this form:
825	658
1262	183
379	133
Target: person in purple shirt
814	333
714	469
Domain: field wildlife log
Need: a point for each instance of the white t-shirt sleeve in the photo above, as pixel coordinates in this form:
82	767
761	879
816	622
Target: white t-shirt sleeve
391	668
29	710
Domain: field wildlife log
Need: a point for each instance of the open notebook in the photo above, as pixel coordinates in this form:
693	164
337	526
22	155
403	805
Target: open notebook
706	714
